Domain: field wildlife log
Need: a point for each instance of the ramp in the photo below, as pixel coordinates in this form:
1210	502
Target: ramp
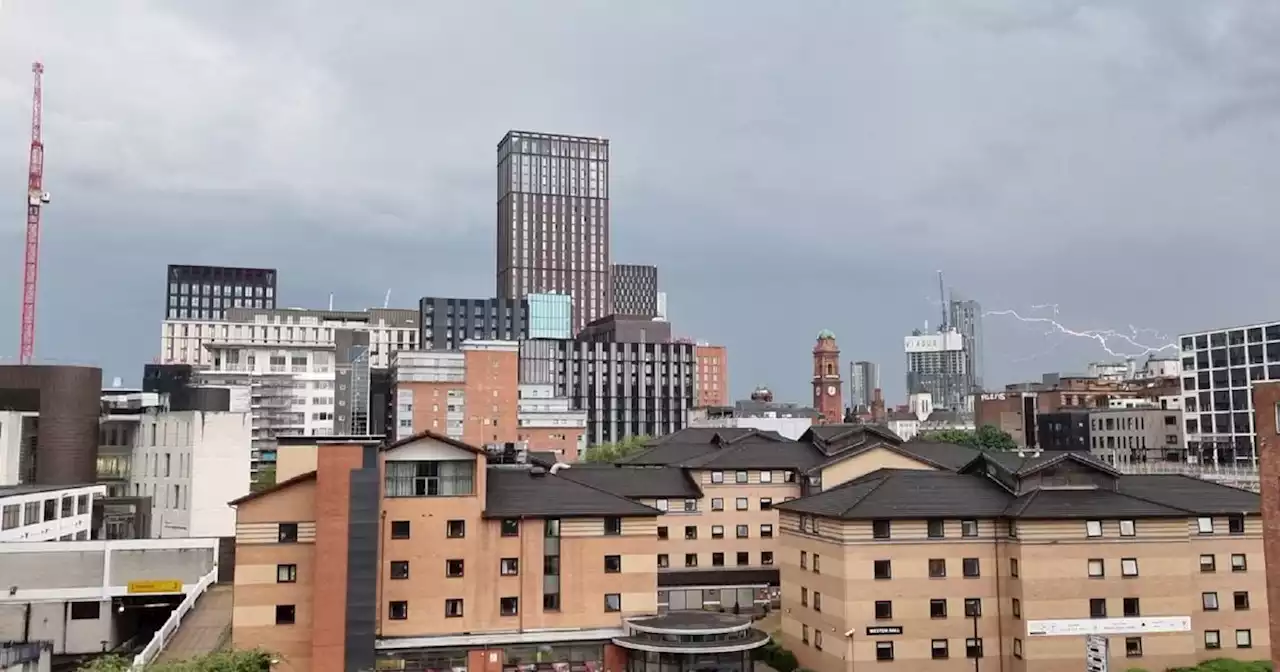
205	629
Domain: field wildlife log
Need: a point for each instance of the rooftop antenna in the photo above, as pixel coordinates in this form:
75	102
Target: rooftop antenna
942	301
330	300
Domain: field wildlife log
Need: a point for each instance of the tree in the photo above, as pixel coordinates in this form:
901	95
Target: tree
619	450
988	437
264	479
253	660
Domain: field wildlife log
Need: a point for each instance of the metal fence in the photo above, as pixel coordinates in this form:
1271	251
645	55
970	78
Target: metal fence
1245	477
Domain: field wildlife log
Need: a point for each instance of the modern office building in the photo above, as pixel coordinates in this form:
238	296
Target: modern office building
711	384
208	292
550	316
966	318
635	290
49	424
446	323
1008	562
627	389
47	512
553	221
625	329
1218	368
865	378
938	363
390	330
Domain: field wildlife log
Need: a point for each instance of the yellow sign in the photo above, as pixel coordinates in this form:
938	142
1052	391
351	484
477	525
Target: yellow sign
161	586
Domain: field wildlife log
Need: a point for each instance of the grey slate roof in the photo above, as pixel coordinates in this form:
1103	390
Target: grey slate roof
515	492
834	439
728	448
657	482
1029	464
891	494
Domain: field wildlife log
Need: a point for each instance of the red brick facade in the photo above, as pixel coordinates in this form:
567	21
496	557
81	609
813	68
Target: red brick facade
1266	406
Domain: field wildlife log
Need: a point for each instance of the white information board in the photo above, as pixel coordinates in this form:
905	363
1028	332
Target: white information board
1108	626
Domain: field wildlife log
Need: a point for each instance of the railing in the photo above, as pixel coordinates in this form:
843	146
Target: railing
17	653
166	632
1208	472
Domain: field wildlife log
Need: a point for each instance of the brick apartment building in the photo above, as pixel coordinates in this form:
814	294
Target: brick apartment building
1266	421
711	380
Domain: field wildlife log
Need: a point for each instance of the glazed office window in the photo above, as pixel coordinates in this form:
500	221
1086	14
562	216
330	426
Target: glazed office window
690	506
884	609
717	559
741	503
613	602
664	561
971	567
884	650
1204	525
445	478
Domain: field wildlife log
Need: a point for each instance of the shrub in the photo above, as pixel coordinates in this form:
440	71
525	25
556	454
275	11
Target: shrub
783	661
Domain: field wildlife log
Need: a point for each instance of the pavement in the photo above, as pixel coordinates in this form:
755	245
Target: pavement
204	629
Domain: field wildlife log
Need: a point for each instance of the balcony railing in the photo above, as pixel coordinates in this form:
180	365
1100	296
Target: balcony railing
1245	477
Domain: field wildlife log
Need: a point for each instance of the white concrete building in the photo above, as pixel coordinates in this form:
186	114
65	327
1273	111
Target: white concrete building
47	512
539	408
1218	371
921	417
11	423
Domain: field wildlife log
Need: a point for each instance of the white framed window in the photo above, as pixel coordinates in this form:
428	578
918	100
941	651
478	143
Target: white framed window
1204	525
767	476
1128	528
1128	566
661	505
1093	528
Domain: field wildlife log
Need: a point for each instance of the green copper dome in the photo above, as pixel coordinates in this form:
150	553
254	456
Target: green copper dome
826	334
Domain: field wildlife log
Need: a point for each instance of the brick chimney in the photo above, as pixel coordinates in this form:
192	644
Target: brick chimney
878	414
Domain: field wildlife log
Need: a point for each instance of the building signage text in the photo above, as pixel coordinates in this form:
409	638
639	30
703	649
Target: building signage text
878	630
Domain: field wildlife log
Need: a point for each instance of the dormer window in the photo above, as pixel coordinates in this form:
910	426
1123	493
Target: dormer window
444	478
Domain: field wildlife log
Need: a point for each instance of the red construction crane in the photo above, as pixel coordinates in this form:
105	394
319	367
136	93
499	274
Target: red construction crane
36	198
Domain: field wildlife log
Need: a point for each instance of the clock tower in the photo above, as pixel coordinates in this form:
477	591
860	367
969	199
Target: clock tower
828	392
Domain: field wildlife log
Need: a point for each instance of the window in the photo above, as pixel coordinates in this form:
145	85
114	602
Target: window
1128	566
937	568
453	607
1208	563
804	559
1017	647
971	568
288	533
937	608
1238	563
879	529
662	505
1244	639
612	526
1013	567
939	649
1241	600
1209	601
740	477
399	529
817	564
690	559
11	518
817	639
882	569
662	532
968	528
1235	524
937	530
51	509
972	607
766	531
766	477
717	532
456	529
884	650
399	569
612	564
973	647
817	601
1131	607
690	506
804	596
884	609
766	503
444	478
717	477
509	566
1212	639
85	611
1128	528
286	614
1017	608
766	557
740	503
1093	528
613	602
744	558
398	610
31	513
1133	647
664	561
509	606
690	531
453	568
510	527
286	573
717	503
804	634
1204	525
68	505
743	531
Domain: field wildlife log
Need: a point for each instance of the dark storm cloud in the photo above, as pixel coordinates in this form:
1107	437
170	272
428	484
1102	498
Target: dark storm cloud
791	167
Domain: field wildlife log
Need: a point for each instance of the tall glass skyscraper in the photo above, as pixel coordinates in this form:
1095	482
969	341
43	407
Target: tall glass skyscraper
550	316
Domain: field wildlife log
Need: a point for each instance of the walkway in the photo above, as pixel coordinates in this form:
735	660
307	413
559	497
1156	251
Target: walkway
205	629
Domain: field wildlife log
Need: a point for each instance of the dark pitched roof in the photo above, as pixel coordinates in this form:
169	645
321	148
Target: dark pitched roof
1054	504
300	478
657	482
890	493
951	456
833	439
692	435
526	493
1209	498
1029	463
428	434
728	448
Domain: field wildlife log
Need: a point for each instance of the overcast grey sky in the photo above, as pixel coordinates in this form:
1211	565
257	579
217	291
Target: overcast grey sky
790	166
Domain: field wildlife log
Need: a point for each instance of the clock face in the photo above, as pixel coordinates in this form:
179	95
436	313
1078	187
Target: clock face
831	390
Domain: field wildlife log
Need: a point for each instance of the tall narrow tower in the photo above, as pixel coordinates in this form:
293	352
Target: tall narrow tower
36	197
828	393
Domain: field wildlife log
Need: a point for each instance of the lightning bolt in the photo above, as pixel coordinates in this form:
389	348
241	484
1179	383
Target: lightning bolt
1103	337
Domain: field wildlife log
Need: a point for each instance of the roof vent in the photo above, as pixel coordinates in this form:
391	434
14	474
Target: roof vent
538	471
555	468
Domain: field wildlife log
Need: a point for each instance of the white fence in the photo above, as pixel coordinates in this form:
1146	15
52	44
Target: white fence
166	632
1243	477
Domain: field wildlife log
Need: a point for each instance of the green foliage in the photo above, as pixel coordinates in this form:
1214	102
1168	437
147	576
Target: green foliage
988	437
613	452
775	656
1227	665
253	660
265	478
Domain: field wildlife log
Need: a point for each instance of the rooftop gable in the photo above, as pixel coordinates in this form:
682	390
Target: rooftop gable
537	493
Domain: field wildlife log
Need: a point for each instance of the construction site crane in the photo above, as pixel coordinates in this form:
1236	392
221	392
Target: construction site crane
36	198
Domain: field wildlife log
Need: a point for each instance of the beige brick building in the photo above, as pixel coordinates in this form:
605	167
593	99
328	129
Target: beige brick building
1012	560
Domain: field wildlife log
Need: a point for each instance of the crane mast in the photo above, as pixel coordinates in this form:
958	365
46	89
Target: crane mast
36	197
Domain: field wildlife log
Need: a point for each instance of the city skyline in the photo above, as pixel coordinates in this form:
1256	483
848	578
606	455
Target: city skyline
947	156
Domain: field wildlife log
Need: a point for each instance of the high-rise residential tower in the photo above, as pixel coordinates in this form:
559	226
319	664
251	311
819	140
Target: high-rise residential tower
635	290
937	363
865	377
207	292
966	318
553	220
